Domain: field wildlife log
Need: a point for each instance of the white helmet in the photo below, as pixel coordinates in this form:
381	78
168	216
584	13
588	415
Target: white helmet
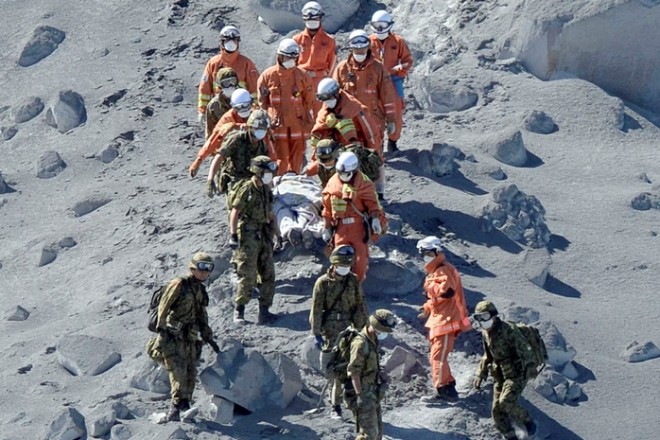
431	243
312	10
358	39
289	48
347	162
381	22
327	87
240	97
230	33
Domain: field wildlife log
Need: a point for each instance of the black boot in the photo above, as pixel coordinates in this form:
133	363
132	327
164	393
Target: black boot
448	392
239	314
265	316
392	146
530	426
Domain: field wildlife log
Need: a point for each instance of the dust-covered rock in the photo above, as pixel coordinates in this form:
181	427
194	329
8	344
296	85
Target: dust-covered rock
67	111
435	95
48	255
222	410
508	147
519	216
288	374
4	188
49	165
539	122
20	314
646	201
67	242
101	422
151	376
83	355
8	131
27	109
525	315
536	264
636	352
441	160
556	388
401	363
89	204
559	351
283	16
120	432
310	354
44	41
109	153
69	425
391	277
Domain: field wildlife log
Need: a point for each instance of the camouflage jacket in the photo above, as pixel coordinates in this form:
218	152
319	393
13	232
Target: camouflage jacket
254	203
183	307
217	107
337	298
238	150
504	352
364	360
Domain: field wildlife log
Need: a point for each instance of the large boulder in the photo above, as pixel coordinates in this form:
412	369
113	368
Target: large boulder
636	352
441	160
49	165
83	355
67	111
283	16
27	109
44	41
151	377
391	277
539	122
435	95
507	147
556	388
560	352
69	425
536	265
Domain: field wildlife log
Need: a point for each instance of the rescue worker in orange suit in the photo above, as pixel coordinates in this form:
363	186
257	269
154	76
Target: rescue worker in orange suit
241	107
318	50
286	93
446	315
229	56
350	206
392	51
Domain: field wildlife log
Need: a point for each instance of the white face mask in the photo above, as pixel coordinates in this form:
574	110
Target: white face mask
228	92
382	336
267	178
230	46
289	64
245	113
327	166
259	134
330	103
359	57
342	270
346	178
486	325
312	24
382	36
428	258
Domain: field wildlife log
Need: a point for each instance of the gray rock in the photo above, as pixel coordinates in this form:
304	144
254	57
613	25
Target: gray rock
49	165
8	131
27	109
559	351
570	371
121	411
178	434
109	153
441	160
508	147
636	352
67	242
90	204
536	264
69	425
539	122
48	255
390	277
646	201
283	16
83	355
101	422
20	314
401	363
67	111
3	185
524	315
151	377
120	432
288	374
436	96
222	410
44	41
310	354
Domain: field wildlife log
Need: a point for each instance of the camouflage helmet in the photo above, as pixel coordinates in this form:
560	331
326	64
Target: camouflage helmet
225	73
485	307
327	149
342	255
259	120
383	321
260	164
201	261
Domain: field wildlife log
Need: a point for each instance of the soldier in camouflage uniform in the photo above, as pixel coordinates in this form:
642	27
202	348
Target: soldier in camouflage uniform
507	357
182	327
227	79
252	225
366	379
338	302
325	157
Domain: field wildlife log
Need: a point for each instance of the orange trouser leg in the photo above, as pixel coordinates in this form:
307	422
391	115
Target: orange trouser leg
297	153
441	346
353	235
316	105
399	105
282	149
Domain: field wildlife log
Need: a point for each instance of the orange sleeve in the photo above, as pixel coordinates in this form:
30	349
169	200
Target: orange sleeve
332	55
386	94
312	169
263	93
405	58
205	89
252	76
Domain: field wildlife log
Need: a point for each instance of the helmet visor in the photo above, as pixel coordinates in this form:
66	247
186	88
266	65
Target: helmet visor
346	251
359	42
323	151
243	107
380	26
325	96
481	317
204	266
228	83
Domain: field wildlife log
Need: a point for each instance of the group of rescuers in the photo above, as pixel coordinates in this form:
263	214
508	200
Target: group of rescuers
257	127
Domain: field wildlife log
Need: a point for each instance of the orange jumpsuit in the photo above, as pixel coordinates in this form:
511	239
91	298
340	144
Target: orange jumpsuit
287	95
371	85
339	213
447	315
245	69
353	122
227	122
393	52
318	54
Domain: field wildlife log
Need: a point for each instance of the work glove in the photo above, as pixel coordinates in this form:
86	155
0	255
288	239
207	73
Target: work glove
530	373
233	241
477	382
277	246
200	118
210	188
327	235
397	68
448	294
331	120
214	346
375	226
391	127
174	328
423	313
318	341
192	171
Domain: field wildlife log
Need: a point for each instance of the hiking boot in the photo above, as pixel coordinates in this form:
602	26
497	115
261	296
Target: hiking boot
530	426
448	392
335	414
173	414
239	314
184	405
392	147
265	317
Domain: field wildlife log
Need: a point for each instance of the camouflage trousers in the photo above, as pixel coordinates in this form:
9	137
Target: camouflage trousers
369	417
506	407
253	261
330	330
180	357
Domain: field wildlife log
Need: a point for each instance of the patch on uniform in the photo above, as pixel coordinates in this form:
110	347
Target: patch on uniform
394	47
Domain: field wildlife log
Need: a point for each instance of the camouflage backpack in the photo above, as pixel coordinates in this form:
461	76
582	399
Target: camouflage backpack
156	296
538	355
341	353
370	161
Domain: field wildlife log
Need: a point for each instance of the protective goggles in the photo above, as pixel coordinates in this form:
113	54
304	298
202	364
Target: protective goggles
481	317
389	322
380	26
359	43
204	266
324	151
346	251
229	83
243	107
270	166
423	251
325	96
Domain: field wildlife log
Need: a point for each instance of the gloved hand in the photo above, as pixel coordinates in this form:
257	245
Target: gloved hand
391	127
192	171
318	341
448	294
330	120
375	225
477	382
397	68
174	328
214	346
210	188
277	245
200	118
423	314
327	235
530	373
233	241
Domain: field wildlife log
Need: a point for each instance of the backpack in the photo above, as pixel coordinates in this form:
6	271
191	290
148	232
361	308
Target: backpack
341	353
538	356
370	161
156	296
